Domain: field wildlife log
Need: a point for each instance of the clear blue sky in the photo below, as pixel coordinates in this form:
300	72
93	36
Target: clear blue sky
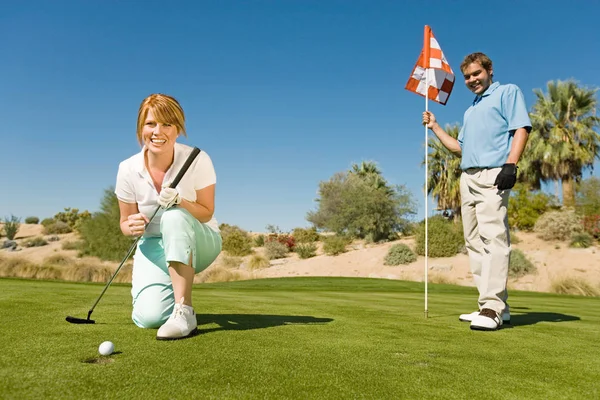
281	94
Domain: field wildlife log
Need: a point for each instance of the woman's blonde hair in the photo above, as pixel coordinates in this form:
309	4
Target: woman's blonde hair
166	110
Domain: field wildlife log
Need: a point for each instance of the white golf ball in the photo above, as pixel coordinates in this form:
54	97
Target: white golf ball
106	348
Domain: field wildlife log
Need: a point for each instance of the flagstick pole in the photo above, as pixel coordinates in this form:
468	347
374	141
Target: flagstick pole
426	176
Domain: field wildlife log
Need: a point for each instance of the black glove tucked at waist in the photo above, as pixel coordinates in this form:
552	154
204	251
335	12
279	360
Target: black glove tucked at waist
507	177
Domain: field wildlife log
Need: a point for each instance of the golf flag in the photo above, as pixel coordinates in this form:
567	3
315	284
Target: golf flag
438	83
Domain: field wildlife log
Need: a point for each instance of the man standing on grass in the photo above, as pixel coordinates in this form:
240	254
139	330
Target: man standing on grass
493	135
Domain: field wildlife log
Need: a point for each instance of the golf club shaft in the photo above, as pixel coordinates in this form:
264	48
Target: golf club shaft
175	182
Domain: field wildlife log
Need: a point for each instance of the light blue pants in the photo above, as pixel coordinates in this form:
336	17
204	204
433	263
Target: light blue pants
183	237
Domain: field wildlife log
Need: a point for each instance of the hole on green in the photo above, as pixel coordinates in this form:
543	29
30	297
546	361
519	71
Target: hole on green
98	360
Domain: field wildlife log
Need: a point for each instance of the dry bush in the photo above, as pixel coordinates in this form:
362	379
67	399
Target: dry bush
58	259
37	241
124	275
16	267
230	261
57	228
576	286
398	254
217	273
258	262
441	278
62	267
87	272
13	266
274	250
558	225
73	245
48	273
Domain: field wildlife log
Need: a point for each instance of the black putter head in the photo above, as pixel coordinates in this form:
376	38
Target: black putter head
74	320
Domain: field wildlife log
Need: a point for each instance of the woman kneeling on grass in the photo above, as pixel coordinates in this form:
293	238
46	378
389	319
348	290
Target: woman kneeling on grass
183	239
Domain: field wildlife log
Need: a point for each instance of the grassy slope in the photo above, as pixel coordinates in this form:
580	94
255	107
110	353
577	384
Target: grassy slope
298	338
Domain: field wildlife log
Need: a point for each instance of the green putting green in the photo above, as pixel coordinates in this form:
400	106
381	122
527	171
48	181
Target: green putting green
304	338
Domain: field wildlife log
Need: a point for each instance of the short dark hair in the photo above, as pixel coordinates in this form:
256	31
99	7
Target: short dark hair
479	58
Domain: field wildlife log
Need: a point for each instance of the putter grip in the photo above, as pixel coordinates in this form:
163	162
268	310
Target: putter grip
185	167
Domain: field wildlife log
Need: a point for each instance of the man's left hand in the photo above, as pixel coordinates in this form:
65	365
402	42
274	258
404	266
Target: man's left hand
507	177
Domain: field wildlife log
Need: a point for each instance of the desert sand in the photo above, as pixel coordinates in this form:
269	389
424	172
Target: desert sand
553	261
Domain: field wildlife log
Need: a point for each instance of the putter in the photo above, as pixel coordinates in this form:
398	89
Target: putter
182	172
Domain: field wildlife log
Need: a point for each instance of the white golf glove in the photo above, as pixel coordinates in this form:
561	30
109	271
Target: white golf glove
169	197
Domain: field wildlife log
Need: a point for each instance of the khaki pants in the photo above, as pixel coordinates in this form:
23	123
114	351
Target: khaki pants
487	237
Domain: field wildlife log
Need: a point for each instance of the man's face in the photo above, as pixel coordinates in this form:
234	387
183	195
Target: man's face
477	78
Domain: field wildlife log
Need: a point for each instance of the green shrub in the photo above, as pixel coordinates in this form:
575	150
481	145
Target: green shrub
581	240
32	220
306	250
445	238
35	242
275	249
72	217
526	206
558	225
259	241
351	204
334	245
258	262
11	227
411	229
399	254
303	235
47	221
57	228
514	239
101	234
519	265
236	241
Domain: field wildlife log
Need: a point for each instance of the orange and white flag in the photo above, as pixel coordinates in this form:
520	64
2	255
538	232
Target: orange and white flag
438	83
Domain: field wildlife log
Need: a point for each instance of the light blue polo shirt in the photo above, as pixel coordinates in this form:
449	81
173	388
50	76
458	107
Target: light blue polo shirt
489	125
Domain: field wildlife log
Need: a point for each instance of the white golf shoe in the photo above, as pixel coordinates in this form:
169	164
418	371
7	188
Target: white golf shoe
469	317
487	320
181	324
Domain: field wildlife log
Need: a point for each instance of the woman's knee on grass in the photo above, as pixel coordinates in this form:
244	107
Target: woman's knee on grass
151	308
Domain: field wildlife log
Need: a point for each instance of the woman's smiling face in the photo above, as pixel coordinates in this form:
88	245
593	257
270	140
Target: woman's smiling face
159	137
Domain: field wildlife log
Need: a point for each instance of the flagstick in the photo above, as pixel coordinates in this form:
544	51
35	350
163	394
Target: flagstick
426	176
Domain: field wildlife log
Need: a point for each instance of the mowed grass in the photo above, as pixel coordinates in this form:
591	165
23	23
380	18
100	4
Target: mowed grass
298	338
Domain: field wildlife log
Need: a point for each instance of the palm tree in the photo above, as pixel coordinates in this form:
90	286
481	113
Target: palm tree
563	141
443	182
369	171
